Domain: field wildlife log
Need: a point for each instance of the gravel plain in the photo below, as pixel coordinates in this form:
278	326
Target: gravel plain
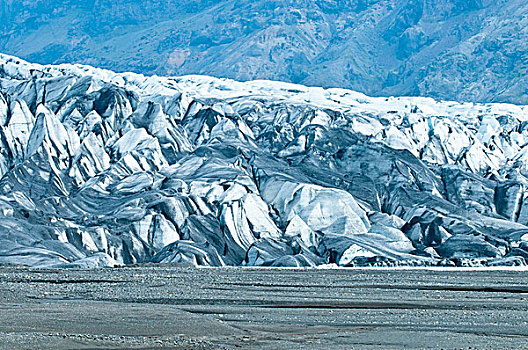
147	307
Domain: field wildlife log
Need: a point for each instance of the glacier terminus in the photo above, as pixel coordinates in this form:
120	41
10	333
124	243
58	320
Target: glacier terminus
100	168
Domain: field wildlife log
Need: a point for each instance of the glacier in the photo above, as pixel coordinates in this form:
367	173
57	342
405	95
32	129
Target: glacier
100	169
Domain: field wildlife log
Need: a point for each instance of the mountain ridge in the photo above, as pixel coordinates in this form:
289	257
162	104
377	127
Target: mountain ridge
452	50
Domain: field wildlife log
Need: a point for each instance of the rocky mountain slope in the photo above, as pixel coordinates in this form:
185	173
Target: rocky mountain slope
99	168
463	50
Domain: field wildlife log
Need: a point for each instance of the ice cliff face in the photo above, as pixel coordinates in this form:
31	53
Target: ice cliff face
99	168
464	50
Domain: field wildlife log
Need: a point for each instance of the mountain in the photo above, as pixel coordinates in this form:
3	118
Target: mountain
463	50
100	168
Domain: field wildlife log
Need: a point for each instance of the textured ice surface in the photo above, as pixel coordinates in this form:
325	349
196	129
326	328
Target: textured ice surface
100	168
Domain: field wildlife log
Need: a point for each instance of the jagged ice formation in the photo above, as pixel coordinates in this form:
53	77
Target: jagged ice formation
99	168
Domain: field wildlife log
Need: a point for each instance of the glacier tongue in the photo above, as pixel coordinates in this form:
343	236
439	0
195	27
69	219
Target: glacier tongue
99	168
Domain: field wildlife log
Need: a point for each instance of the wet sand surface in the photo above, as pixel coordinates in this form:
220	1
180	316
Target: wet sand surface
188	308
